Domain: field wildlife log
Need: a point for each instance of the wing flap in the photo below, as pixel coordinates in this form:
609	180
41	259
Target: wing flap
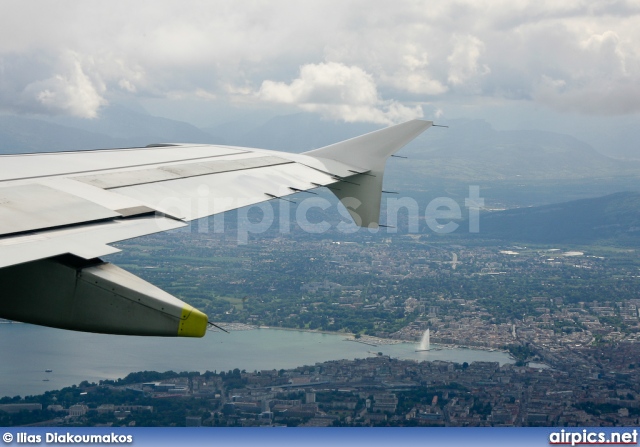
196	197
34	166
32	207
86	241
177	171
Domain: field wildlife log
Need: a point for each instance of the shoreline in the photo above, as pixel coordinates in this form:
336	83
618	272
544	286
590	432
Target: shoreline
366	339
75	357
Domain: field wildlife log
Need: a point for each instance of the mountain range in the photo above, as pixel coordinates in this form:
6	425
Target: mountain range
612	218
440	161
468	150
522	167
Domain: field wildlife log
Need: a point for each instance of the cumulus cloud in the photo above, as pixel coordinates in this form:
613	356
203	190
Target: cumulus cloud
39	84
412	75
602	78
70	90
464	60
475	51
338	91
63	83
361	60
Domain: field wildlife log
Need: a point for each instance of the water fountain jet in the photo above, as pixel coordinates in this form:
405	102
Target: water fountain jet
425	343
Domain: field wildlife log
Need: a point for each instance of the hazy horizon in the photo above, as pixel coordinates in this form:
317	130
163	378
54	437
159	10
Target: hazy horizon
571	68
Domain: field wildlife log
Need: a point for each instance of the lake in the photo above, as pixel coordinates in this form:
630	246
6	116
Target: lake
27	351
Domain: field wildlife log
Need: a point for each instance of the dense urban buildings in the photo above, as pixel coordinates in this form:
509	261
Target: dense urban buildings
568	316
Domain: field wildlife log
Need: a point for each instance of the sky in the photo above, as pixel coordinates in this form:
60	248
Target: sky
523	63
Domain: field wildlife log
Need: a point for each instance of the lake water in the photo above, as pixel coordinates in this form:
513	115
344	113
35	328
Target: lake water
26	351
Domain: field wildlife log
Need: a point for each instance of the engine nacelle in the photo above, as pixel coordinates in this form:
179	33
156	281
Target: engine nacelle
68	292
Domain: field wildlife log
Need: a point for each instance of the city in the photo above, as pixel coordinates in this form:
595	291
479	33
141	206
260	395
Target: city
568	318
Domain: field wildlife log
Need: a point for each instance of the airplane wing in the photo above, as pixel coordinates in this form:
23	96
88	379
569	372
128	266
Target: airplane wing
59	213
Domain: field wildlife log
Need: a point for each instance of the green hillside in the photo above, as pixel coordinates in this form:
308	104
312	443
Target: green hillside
613	218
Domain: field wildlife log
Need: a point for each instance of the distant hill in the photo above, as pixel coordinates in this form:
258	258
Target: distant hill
139	128
117	126
612	218
512	168
468	151
298	132
19	135
472	150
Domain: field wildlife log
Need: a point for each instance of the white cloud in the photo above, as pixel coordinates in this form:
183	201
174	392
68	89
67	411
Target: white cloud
412	75
602	78
66	85
127	85
337	91
464	60
465	51
64	82
324	83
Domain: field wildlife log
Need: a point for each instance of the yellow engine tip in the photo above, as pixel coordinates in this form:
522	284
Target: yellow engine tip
193	323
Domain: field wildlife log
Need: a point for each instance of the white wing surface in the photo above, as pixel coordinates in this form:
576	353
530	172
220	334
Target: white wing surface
59	212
